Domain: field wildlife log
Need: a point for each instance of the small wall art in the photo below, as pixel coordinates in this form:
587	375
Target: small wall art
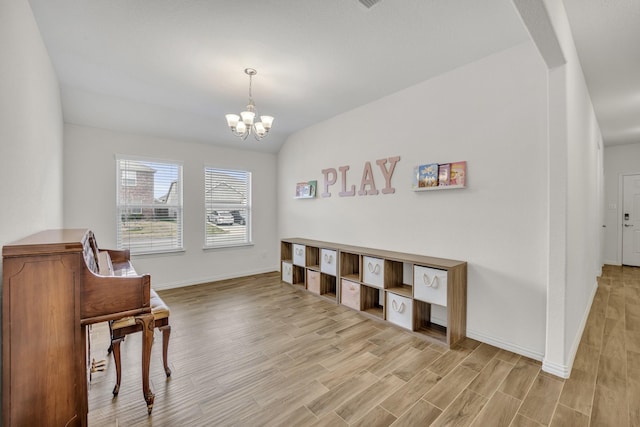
306	190
439	176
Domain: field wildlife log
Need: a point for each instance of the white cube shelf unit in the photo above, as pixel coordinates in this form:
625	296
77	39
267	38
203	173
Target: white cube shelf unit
423	294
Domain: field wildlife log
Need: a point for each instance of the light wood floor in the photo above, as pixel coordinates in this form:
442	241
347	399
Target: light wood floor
255	351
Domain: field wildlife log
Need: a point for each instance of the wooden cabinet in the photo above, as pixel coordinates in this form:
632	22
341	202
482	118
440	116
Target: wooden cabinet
426	295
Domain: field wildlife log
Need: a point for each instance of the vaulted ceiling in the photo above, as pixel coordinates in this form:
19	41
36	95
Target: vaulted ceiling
174	68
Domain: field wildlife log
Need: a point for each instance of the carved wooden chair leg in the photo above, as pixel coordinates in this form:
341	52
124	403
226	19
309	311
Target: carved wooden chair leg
147	323
115	346
166	332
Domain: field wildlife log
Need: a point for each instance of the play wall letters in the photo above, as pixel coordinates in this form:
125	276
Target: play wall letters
367	183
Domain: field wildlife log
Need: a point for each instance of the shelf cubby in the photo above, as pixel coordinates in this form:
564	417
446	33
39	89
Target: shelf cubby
313	257
350	266
423	323
328	286
371	302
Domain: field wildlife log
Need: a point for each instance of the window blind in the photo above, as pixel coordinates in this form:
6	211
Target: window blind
149	205
227	196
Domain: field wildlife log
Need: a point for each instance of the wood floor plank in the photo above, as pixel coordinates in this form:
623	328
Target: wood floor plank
567	417
578	390
357	406
612	373
449	360
336	396
462	411
541	401
377	417
508	356
412	367
522	421
347	369
633	397
613	341
610	408
519	380
480	357
421	414
490	378
447	389
498	412
330	420
407	395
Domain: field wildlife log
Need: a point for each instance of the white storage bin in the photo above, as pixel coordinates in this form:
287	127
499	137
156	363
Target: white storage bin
430	285
299	255
328	261
400	310
373	271
287	272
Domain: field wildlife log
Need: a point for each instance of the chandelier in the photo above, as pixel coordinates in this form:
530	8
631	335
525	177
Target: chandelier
243	125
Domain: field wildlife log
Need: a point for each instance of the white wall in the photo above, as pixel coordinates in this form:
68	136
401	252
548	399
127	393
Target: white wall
90	198
618	160
30	129
491	113
576	211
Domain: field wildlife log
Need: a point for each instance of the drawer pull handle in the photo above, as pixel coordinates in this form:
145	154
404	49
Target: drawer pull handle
395	307
373	269
299	251
328	258
433	283
352	288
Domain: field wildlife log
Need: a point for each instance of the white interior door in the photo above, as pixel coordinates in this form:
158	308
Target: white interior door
631	220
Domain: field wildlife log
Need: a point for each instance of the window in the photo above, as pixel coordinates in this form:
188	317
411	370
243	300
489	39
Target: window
129	178
227	195
149	205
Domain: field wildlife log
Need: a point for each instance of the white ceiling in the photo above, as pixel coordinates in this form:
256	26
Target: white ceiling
173	68
607	37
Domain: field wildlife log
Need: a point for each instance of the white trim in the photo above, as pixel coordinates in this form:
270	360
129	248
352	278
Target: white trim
610	262
556	369
620	212
497	342
619	219
562	370
199	281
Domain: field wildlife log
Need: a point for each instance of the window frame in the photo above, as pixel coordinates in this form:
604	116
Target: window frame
138	206
209	242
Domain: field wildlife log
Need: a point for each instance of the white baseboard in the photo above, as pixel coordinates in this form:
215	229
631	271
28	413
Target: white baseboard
497	342
609	262
564	371
556	369
182	283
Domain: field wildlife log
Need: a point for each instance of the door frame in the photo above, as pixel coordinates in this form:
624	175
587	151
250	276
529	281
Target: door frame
619	211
